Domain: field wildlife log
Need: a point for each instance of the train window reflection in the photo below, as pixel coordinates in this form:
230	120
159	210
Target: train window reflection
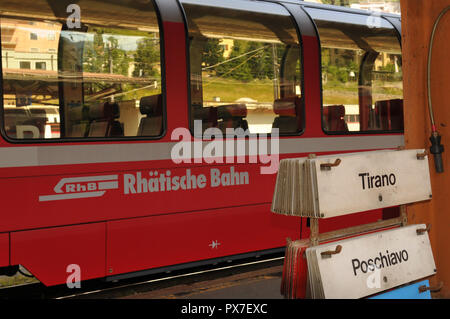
102	79
361	76
245	69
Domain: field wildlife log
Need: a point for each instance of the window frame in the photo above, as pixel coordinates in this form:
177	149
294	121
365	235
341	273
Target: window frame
60	140
21	63
51	36
387	19
245	6
41	63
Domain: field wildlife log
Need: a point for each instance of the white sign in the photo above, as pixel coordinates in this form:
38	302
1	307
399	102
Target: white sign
330	186
372	180
370	264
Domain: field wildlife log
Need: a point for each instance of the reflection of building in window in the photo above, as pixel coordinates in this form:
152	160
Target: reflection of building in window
385	60
227	45
18	44
16	35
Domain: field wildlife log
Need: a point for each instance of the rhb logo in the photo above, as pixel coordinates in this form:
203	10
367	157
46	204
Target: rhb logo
82	187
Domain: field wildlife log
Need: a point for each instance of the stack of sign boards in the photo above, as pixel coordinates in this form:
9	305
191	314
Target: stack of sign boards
331	186
294	280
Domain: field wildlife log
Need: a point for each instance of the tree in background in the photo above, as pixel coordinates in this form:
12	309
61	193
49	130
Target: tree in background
103	54
107	51
117	59
94	54
337	2
237	67
261	66
213	52
348	2
248	61
146	58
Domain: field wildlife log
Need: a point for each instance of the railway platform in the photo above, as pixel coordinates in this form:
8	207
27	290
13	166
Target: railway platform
256	284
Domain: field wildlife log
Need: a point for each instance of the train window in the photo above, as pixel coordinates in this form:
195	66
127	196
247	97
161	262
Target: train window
98	79
244	66
361	73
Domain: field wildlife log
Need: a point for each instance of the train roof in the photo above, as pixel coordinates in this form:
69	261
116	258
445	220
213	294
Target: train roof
336	8
26	3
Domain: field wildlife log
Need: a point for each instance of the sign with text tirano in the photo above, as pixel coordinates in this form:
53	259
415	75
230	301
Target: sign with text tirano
370	264
371	180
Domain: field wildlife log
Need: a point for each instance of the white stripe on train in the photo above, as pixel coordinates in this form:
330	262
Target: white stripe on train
43	155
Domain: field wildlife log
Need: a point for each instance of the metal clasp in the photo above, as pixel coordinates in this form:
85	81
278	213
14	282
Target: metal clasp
431	289
330	253
328	166
421	231
421	156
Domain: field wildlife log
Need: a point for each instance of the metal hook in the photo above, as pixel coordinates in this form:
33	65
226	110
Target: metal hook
328	166
421	156
421	231
431	289
329	253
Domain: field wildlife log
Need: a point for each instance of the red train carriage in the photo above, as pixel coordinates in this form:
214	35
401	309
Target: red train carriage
97	96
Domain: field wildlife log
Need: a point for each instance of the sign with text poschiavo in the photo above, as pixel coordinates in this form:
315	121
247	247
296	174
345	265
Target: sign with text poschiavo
374	263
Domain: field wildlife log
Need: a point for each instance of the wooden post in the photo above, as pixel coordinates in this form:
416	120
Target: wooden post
418	18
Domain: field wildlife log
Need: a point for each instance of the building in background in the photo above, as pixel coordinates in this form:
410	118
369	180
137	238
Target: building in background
29	45
385	6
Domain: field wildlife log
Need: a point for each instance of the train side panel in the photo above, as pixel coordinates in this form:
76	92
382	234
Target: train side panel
62	254
4	250
51	200
165	240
